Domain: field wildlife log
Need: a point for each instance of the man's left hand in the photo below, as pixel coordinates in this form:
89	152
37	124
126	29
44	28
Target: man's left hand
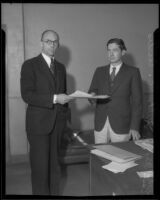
134	134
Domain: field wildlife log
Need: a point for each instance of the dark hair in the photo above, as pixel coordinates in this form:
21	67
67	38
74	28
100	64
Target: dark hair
49	30
119	42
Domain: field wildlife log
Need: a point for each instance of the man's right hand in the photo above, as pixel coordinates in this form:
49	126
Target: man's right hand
63	98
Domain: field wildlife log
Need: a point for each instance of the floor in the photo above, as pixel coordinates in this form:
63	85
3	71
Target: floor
75	182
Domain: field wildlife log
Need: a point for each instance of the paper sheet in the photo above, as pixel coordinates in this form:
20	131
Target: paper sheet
145	144
81	94
115	154
145	174
119	167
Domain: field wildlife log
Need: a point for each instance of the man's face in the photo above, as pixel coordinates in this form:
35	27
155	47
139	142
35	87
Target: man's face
114	53
49	43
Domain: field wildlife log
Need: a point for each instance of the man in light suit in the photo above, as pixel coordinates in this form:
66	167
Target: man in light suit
118	118
43	88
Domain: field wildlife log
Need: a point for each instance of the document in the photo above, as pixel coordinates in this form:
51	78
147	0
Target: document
81	94
119	167
115	154
145	174
145	144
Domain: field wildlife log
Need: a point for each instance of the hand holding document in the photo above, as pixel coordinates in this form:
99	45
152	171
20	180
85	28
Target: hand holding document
81	94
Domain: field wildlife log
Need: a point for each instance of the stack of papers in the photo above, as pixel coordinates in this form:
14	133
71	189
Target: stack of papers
115	154
145	144
145	174
119	167
81	94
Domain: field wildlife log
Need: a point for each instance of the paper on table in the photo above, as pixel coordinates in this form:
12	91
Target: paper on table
119	167
114	153
145	144
145	174
81	94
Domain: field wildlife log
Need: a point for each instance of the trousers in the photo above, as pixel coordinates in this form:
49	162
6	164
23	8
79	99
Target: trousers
107	135
44	161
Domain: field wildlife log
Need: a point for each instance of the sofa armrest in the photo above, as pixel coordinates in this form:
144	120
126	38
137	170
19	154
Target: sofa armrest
73	151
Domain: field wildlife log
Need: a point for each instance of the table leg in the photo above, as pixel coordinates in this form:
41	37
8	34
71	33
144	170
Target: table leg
90	190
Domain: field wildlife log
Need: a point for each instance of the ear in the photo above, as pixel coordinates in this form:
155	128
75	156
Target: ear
58	45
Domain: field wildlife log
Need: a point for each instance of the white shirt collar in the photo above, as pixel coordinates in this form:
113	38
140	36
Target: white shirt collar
117	68
47	59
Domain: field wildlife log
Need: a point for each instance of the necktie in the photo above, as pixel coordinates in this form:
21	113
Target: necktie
52	66
113	73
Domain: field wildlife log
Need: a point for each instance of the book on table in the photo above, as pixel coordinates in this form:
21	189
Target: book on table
114	153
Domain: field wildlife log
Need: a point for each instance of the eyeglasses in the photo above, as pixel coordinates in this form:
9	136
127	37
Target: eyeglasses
50	42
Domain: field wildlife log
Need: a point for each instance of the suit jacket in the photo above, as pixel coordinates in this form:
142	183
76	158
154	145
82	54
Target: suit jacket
124	107
37	89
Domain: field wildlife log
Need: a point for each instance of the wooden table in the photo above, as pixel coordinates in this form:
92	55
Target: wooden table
105	182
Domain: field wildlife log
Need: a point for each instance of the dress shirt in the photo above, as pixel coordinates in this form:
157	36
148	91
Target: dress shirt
48	61
117	68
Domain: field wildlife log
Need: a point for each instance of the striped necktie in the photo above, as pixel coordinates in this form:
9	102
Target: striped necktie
113	73
52	67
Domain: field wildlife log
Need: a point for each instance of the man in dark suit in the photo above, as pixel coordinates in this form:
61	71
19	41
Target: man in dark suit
117	118
43	88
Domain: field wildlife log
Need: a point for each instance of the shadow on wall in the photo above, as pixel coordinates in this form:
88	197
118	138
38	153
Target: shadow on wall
76	114
129	59
63	54
147	101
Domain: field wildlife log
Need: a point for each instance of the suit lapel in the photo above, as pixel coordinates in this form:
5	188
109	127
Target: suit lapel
107	79
43	66
119	78
103	76
58	75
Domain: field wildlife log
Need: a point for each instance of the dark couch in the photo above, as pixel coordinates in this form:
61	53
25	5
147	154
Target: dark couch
73	151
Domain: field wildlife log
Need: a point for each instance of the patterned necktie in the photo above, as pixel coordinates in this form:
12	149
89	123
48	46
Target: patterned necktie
113	73
52	67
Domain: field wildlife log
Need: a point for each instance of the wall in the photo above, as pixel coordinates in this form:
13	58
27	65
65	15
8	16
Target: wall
84	30
15	107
